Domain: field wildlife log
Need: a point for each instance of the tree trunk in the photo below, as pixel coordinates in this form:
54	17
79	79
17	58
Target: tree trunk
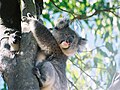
17	68
18	74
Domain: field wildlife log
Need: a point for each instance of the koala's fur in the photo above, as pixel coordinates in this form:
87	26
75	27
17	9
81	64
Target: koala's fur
51	71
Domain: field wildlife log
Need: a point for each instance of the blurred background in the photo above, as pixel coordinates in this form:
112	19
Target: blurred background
99	22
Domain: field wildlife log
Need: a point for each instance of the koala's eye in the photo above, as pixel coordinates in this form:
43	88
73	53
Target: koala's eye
72	36
66	34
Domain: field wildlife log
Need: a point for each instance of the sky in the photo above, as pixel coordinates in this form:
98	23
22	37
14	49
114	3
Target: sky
1	82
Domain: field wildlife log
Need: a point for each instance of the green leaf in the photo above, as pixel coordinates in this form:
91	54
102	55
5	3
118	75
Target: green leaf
96	61
106	35
102	52
118	24
109	46
47	16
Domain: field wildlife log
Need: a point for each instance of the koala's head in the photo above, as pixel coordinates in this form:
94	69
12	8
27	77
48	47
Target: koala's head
67	39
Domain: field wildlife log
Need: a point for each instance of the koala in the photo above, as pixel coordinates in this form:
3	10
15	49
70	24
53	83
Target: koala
55	49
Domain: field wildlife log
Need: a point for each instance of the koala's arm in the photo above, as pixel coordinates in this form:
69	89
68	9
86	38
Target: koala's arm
45	73
43	36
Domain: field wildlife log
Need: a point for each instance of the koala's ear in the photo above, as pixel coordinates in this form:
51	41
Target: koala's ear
82	41
81	44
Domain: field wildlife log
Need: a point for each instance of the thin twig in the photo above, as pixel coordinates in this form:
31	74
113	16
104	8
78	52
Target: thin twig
72	84
87	65
94	48
115	14
87	75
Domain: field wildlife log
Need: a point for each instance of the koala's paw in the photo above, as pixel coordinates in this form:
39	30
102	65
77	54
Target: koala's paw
41	79
24	19
36	72
27	18
15	37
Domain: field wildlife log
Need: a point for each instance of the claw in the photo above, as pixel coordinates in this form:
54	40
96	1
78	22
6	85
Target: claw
24	18
36	72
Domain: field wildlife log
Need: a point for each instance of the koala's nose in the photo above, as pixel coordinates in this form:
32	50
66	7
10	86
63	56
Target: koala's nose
70	39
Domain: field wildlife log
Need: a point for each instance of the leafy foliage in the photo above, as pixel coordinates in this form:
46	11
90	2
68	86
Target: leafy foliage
98	21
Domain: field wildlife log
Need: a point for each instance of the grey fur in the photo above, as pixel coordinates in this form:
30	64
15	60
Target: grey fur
51	71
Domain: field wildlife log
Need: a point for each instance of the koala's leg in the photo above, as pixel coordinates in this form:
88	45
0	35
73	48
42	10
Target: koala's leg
45	73
41	56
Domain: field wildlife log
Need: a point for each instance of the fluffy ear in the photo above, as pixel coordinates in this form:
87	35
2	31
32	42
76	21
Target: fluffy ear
81	43
62	23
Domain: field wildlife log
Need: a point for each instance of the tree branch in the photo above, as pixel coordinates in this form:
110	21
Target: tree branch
72	13
82	17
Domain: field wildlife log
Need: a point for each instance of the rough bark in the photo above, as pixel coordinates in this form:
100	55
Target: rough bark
17	68
28	6
18	74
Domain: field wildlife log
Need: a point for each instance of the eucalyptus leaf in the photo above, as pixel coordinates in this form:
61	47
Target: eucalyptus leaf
109	46
102	52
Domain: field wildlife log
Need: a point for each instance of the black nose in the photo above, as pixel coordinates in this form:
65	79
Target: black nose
70	39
